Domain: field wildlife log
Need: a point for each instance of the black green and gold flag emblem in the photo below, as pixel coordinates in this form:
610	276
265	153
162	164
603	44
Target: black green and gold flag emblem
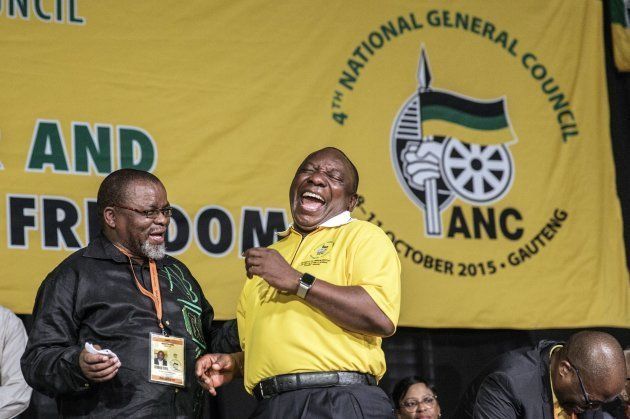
448	114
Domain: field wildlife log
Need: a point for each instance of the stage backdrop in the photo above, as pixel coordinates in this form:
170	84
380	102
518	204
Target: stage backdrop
481	133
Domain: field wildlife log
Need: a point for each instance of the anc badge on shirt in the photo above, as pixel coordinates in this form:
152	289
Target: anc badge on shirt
319	255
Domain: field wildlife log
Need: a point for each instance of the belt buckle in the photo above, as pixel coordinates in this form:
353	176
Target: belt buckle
262	388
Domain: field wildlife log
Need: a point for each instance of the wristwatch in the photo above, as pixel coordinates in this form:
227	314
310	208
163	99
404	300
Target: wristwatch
306	282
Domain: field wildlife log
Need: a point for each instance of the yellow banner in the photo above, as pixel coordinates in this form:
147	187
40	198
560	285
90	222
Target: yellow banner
480	132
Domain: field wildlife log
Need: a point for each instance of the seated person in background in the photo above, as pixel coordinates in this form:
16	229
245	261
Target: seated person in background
625	394
414	397
618	409
15	394
550	380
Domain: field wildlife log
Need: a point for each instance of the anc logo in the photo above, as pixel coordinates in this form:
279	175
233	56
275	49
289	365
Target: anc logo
321	250
445	145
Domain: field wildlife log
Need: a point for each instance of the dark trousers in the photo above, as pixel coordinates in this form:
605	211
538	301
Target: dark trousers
341	402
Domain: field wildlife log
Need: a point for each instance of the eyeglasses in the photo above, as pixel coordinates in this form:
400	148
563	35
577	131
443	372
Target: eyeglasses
588	403
412	405
153	214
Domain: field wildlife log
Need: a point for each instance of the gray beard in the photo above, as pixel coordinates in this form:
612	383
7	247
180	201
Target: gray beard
153	251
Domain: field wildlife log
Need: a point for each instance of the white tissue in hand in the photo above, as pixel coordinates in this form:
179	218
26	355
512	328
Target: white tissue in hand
91	349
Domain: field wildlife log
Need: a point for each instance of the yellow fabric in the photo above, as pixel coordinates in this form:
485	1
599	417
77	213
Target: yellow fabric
228	97
559	413
282	334
621	46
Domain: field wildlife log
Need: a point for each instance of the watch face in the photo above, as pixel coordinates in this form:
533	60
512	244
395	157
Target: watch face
307	279
306	282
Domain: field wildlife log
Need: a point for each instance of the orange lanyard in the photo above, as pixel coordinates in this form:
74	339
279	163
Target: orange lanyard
155	296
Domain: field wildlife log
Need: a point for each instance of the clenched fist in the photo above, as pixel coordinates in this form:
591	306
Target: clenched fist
271	266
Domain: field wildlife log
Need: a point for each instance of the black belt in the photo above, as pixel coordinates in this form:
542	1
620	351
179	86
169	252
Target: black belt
270	387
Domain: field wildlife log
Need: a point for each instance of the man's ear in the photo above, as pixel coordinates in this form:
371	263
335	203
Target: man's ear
353	202
109	215
564	368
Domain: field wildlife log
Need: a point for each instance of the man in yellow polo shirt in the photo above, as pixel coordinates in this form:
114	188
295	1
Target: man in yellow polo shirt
318	302
551	380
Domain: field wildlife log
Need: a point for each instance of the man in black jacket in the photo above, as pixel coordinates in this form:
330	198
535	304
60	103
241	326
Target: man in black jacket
122	293
551	380
618	409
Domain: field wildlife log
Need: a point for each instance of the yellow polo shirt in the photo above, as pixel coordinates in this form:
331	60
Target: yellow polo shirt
282	334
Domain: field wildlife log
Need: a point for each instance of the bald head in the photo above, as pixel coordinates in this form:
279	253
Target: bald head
600	358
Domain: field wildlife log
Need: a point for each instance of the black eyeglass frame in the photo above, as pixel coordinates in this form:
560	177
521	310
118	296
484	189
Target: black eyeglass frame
152	214
418	402
588	403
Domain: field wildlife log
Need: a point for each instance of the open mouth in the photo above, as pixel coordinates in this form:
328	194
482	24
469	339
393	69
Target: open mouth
157	237
311	201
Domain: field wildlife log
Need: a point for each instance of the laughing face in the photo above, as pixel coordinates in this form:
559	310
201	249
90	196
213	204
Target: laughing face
323	187
141	235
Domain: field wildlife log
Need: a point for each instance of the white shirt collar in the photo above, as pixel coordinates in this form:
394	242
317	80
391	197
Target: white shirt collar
336	221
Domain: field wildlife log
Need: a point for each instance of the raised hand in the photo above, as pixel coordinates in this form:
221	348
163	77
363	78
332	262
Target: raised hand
271	266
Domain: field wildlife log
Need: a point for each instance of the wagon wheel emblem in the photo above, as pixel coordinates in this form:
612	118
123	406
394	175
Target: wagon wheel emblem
477	173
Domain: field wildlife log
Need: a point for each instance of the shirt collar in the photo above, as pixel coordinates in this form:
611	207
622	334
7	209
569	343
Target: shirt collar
336	221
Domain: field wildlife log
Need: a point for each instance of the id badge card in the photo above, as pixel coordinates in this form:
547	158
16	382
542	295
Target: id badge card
166	360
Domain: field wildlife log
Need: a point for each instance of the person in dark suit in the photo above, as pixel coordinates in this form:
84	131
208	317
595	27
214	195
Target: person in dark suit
619	408
550	380
625	395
